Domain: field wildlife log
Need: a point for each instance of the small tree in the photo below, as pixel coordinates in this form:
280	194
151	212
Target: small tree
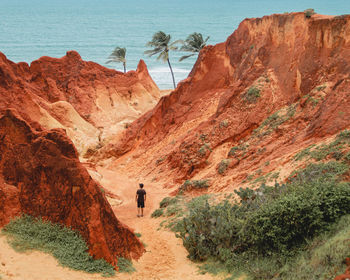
161	45
117	56
309	12
194	43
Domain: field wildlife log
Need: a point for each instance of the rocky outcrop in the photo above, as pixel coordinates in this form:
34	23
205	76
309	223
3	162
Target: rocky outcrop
40	175
88	100
285	68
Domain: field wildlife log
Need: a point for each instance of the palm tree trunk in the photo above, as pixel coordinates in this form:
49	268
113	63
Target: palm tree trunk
124	64
172	74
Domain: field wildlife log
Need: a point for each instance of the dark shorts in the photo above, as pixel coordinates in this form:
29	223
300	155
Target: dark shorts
140	204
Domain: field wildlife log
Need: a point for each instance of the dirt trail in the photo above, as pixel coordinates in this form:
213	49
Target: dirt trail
165	257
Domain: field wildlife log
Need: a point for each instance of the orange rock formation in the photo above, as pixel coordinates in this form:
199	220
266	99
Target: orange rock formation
90	101
40	175
278	84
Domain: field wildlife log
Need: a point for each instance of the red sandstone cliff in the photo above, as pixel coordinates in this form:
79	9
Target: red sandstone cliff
90	101
284	67
40	175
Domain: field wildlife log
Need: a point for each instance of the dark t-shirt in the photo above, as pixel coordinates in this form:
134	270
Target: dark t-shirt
141	195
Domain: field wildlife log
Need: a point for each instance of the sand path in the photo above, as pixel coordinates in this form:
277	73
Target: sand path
165	257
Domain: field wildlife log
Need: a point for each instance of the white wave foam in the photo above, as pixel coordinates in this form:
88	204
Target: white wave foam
166	70
162	77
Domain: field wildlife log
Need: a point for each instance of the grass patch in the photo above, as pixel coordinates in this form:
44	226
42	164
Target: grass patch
125	266
67	246
272	122
137	234
334	149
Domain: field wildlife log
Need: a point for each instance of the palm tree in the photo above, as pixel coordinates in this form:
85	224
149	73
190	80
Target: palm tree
118	55
194	43
161	44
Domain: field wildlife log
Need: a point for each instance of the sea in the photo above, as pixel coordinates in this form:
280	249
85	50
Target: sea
30	29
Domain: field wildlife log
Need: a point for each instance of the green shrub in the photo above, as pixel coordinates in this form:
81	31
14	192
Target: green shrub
324	256
195	184
240	148
333	149
173	209
272	220
309	12
125	265
319	172
252	94
285	223
203	149
137	234
245	194
273	121
304	153
168	201
223	165
157	213
67	246
322	87
224	123
344	135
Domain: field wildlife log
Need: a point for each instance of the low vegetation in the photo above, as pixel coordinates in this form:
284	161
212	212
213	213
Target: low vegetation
309	13
223	165
270	227
238	151
295	230
224	123
125	266
252	94
272	122
336	149
67	246
203	149
192	185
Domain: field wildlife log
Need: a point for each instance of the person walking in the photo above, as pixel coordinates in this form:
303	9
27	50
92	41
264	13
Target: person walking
140	199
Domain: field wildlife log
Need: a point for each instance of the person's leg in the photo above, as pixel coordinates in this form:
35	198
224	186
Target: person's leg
138	209
142	206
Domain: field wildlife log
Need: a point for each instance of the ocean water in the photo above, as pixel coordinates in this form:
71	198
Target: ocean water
30	29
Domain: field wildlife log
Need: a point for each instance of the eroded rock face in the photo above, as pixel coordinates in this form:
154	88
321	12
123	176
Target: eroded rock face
346	275
40	175
90	101
287	65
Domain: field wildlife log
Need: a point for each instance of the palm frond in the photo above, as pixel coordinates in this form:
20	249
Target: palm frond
193	43
153	51
177	42
118	55
163	56
185	56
